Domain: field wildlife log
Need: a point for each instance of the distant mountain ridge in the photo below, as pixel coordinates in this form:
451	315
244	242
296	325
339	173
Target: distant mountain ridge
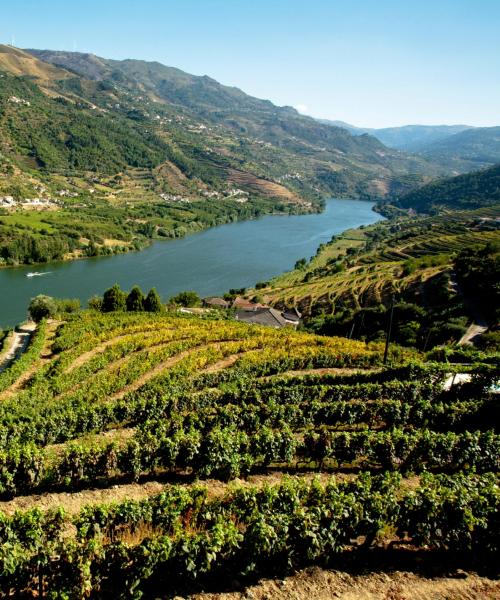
457	148
467	150
411	138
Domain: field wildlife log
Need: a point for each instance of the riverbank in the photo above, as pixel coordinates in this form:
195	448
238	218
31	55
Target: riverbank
28	238
210	262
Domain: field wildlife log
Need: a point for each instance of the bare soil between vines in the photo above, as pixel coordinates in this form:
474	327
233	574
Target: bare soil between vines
316	583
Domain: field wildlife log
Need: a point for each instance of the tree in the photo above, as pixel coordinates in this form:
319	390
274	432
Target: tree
186	299
42	307
114	299
301	264
153	303
95	303
68	305
135	299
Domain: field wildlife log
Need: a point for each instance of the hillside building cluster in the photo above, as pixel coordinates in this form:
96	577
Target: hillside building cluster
28	203
256	313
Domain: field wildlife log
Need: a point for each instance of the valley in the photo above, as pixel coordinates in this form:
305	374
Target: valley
209	262
123	158
246	353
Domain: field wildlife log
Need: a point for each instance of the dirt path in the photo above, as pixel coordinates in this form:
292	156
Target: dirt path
322	584
73	502
18	344
223	364
46	355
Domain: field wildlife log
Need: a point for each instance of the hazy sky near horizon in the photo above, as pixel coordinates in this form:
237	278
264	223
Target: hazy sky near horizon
373	63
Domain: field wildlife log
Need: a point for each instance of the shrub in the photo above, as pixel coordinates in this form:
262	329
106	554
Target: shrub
68	305
135	299
42	307
152	302
95	303
189	298
113	299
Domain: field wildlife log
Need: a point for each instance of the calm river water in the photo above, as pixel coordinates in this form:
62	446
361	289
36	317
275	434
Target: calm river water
210	262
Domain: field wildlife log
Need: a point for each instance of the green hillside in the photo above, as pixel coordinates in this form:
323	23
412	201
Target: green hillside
348	287
157	455
467	150
455	148
115	175
469	191
129	151
337	161
63	136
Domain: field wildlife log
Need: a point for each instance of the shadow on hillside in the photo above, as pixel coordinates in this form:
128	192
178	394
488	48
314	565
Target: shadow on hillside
426	564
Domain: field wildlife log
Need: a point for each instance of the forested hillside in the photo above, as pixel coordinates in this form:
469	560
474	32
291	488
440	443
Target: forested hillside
469	191
467	150
61	136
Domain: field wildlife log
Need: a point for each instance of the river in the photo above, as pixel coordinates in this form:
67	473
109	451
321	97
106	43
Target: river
210	262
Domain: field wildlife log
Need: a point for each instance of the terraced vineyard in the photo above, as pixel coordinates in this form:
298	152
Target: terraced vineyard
122	436
366	266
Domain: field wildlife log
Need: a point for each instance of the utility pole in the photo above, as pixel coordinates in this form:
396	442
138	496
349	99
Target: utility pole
389	331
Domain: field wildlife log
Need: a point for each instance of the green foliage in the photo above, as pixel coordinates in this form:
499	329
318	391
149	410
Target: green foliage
64	137
68	305
413	325
152	302
490	341
114	299
469	191
189	299
95	303
478	271
284	404
135	299
42	307
249	531
301	264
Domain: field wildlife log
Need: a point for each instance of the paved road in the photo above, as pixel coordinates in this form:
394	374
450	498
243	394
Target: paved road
18	343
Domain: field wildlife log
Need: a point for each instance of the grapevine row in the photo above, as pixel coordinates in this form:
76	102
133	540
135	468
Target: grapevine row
226	453
189	537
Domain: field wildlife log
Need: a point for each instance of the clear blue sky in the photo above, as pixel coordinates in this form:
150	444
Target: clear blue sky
369	62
